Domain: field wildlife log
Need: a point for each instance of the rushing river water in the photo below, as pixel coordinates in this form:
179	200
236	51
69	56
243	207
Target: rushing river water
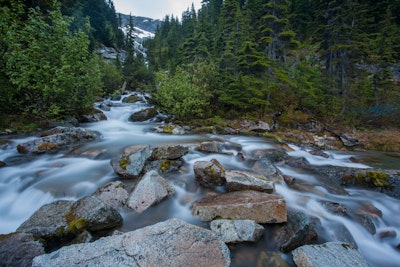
26	185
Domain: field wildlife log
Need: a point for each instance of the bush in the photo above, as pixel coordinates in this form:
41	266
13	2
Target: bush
50	68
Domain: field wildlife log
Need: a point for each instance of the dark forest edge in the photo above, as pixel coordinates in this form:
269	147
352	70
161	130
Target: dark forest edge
336	62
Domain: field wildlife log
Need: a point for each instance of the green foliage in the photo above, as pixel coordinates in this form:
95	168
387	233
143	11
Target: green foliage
111	77
49	67
180	95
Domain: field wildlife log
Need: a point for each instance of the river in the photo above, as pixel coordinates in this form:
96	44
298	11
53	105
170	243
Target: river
27	184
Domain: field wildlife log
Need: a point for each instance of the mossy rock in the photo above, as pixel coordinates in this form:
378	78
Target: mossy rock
78	225
370	179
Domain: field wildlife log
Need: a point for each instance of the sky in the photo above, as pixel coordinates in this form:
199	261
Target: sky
155	9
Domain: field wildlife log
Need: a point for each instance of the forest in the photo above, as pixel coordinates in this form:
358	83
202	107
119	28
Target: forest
336	61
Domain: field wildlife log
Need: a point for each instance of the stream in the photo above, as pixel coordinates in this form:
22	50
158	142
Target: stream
27	184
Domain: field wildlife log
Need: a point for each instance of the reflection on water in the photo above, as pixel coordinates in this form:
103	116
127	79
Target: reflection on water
26	185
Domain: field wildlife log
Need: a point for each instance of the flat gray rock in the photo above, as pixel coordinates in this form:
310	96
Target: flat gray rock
233	231
242	205
169	243
329	254
151	190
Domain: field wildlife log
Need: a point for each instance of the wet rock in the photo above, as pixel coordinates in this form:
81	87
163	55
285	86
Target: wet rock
116	98
380	180
169	243
299	230
49	220
152	189
246	180
113	194
387	233
289	180
298	163
104	107
170	129
58	138
265	167
233	231
209	147
64	220
273	155
335	208
19	249
329	254
319	153
131	99
209	173
169	152
93	212
163	166
132	162
143	115
5	144
68	121
2	164
95	116
242	205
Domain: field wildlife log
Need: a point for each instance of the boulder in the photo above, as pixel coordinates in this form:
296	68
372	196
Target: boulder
169	152
151	190
104	107
143	115
259	127
66	219
246	180
169	243
163	166
94	214
209	147
49	220
299	230
130	164
336	254
265	167
242	205
233	231
273	155
95	116
113	194
131	99
209	173
56	139
19	249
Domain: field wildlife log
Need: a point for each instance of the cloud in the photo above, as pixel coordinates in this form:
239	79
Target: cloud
156	9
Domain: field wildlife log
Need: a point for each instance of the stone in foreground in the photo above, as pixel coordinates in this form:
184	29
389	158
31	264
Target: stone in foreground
233	231
19	249
151	190
329	254
169	243
243	205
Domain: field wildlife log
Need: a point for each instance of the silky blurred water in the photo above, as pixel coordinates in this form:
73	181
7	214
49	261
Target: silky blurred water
28	184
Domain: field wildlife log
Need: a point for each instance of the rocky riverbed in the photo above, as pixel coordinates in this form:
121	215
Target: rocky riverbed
229	201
